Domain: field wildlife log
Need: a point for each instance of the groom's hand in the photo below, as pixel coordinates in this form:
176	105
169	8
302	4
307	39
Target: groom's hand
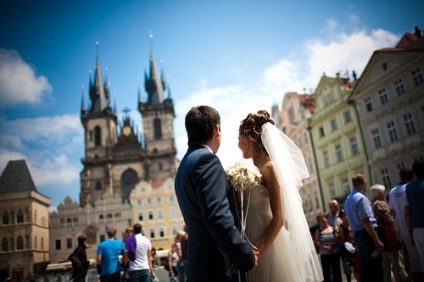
234	268
256	254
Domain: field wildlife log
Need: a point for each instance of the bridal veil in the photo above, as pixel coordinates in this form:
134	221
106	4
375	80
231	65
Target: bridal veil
290	168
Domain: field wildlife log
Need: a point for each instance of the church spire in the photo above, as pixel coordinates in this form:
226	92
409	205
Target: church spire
97	91
83	107
153	84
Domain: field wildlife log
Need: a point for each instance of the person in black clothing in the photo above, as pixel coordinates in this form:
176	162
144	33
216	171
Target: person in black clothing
79	260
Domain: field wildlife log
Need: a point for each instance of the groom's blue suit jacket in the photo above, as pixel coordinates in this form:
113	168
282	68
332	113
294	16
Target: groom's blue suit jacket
207	205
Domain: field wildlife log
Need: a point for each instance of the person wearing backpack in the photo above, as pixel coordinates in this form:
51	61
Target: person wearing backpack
79	260
387	235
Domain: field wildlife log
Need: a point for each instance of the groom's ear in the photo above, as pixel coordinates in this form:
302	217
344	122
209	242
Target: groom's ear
217	130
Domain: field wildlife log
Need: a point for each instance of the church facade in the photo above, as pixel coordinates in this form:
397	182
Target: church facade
125	174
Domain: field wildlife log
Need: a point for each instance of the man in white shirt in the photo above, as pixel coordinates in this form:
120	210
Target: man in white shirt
138	251
397	203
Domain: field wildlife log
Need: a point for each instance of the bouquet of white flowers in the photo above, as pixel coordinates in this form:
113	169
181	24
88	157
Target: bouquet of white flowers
244	177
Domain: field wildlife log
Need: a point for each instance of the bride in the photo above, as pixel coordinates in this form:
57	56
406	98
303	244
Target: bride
276	225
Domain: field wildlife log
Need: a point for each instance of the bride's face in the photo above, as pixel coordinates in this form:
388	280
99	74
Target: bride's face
243	144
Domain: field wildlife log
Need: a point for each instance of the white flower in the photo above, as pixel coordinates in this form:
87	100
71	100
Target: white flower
244	176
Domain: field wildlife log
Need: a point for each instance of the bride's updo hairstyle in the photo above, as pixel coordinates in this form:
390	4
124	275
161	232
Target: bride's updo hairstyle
251	128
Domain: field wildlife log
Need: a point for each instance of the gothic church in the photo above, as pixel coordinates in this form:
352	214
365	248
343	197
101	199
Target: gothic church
116	158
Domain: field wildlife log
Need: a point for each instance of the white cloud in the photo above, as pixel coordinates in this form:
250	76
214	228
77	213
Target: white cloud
340	53
52	147
345	52
18	81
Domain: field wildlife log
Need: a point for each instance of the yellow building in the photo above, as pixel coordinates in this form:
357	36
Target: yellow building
155	207
337	139
24	225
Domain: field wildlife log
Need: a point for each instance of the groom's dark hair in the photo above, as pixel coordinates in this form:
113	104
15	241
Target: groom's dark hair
200	123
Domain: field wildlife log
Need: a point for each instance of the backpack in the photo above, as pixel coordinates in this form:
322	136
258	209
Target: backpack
387	235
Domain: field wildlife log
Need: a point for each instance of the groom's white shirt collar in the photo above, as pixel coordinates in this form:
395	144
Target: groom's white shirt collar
207	147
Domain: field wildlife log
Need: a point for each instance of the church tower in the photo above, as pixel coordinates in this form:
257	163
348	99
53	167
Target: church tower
100	137
158	124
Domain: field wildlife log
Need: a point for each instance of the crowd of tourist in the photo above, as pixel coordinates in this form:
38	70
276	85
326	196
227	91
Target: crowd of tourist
376	239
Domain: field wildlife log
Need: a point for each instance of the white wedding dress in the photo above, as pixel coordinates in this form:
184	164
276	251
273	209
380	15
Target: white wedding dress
292	256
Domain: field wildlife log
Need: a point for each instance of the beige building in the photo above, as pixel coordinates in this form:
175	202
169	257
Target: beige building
389	99
24	226
297	111
72	220
337	139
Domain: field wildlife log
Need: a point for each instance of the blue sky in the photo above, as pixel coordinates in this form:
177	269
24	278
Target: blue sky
238	56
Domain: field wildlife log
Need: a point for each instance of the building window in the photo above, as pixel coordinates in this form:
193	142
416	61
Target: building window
348	117
409	123
326	158
339	153
333	124
331	190
417	76
150	215
57	244
400	165
400	89
158	200
376	138
138	202
345	186
69	243
20	217
383	96
4	245
171	198
19	243
354	145
98	185
117	215
316	200
384	66
385	176
140	216
310	165
42	243
152	233
97	136
149	201
5	218
174	230
157	128
368	104
391	128
321	132
172	213
160	214
161	232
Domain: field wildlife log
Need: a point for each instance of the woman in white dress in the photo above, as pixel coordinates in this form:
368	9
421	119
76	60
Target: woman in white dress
276	225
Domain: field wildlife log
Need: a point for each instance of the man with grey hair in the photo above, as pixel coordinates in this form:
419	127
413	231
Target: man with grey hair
385	220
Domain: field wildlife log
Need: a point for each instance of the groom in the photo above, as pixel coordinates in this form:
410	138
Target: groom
202	191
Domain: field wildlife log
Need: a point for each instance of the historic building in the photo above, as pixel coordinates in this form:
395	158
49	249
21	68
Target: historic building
127	176
389	99
24	225
297	111
337	139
